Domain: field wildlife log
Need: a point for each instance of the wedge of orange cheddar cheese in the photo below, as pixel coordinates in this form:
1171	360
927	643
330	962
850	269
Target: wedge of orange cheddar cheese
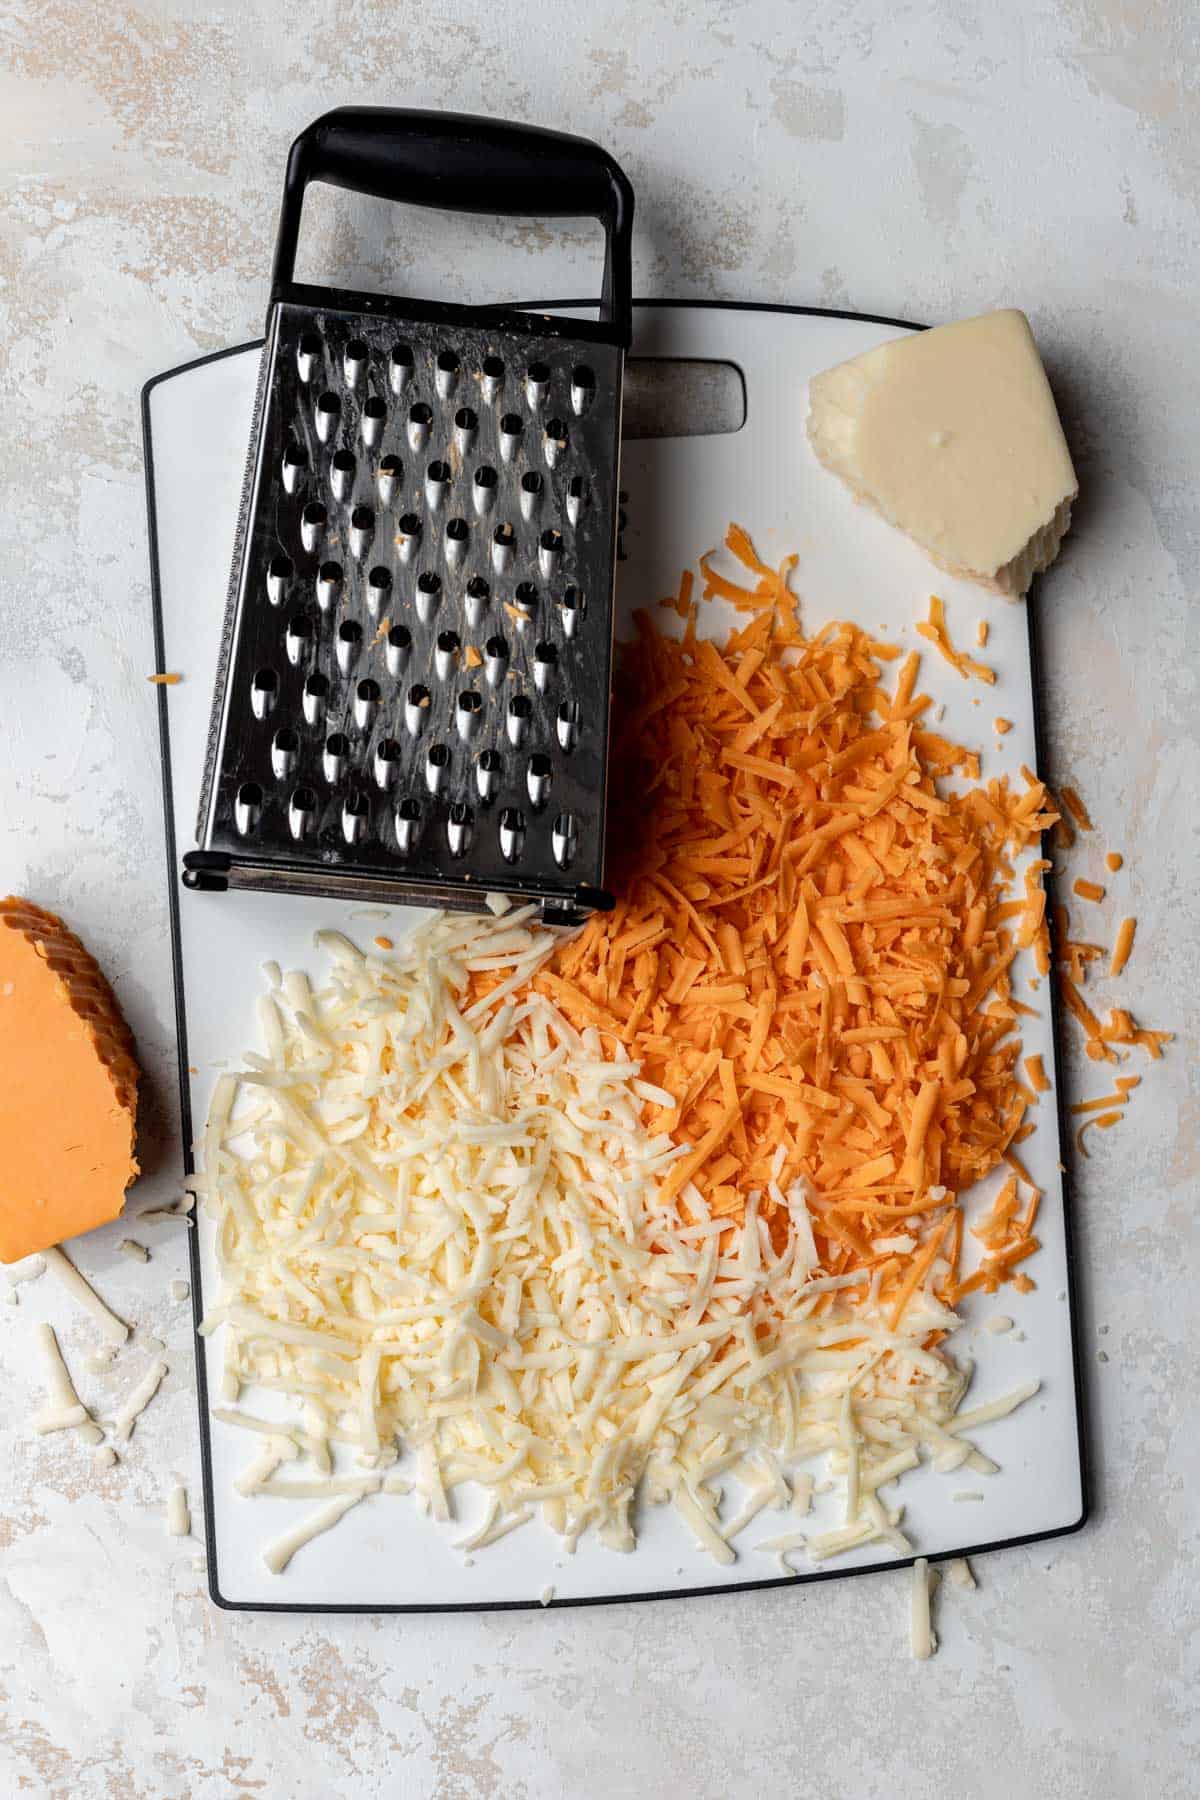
68	1086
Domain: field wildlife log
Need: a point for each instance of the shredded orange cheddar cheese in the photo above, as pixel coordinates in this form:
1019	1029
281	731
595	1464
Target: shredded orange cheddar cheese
934	628
1088	890
1114	861
811	950
1077	809
1123	946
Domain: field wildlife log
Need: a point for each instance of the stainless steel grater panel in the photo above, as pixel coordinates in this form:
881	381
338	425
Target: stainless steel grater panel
414	681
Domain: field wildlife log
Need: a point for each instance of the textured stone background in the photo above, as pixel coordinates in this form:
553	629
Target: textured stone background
921	160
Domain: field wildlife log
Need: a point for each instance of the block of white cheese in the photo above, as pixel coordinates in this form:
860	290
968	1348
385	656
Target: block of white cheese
953	435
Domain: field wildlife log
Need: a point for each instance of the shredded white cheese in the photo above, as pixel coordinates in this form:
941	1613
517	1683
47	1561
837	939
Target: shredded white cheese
279	1554
138	1252
961	1573
179	1518
439	1232
923	1642
27	1270
64	1408
180	1290
135	1404
114	1329
104	1457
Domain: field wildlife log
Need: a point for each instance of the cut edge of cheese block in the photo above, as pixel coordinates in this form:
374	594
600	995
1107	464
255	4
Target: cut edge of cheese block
952	435
68	1086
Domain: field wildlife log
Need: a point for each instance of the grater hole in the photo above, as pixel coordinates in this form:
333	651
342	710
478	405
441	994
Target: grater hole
476	600
445	653
355	359
466	420
408	534
487	774
458	533
526	595
429	588
520	707
445	376
295	461
299	636
400	366
316	693
564	839
495	654
379	586
458	828
532	487
301	808
374	417
483	489
362	530
366	702
308	352
408	821
511	425
583	388
349	638
469	712
355	811
280	571
493	368
285	747
545	660
420	418
512	833
391	474
437	480
437	761
328	411
329	583
400	638
572	608
554	442
333	759
264	691
416	709
341	474
387	763
313	521
247	807
577	495
537	778
567	724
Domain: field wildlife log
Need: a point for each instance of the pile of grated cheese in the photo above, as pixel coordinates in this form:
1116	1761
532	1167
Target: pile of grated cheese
447	1238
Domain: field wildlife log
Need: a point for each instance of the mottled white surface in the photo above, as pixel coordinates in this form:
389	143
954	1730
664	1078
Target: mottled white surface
923	161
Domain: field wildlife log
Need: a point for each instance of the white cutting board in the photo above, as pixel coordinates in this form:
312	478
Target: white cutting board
681	492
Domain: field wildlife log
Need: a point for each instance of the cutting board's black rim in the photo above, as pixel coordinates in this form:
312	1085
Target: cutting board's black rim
185	1109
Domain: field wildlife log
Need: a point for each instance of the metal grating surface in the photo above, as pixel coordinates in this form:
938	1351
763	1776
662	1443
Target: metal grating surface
416	678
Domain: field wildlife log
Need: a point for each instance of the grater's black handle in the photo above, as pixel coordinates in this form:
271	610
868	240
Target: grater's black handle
464	164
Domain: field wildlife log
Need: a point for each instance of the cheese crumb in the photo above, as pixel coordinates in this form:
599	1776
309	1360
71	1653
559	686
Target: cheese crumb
960	1573
180	1290
104	1457
546	1595
922	1638
179	1518
138	1252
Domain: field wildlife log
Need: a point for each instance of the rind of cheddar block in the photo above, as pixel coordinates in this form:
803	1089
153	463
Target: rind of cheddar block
953	435
68	1086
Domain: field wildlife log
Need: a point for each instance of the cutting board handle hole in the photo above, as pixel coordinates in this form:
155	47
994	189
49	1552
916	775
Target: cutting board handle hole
667	397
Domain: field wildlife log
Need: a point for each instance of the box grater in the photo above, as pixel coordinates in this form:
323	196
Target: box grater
412	694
